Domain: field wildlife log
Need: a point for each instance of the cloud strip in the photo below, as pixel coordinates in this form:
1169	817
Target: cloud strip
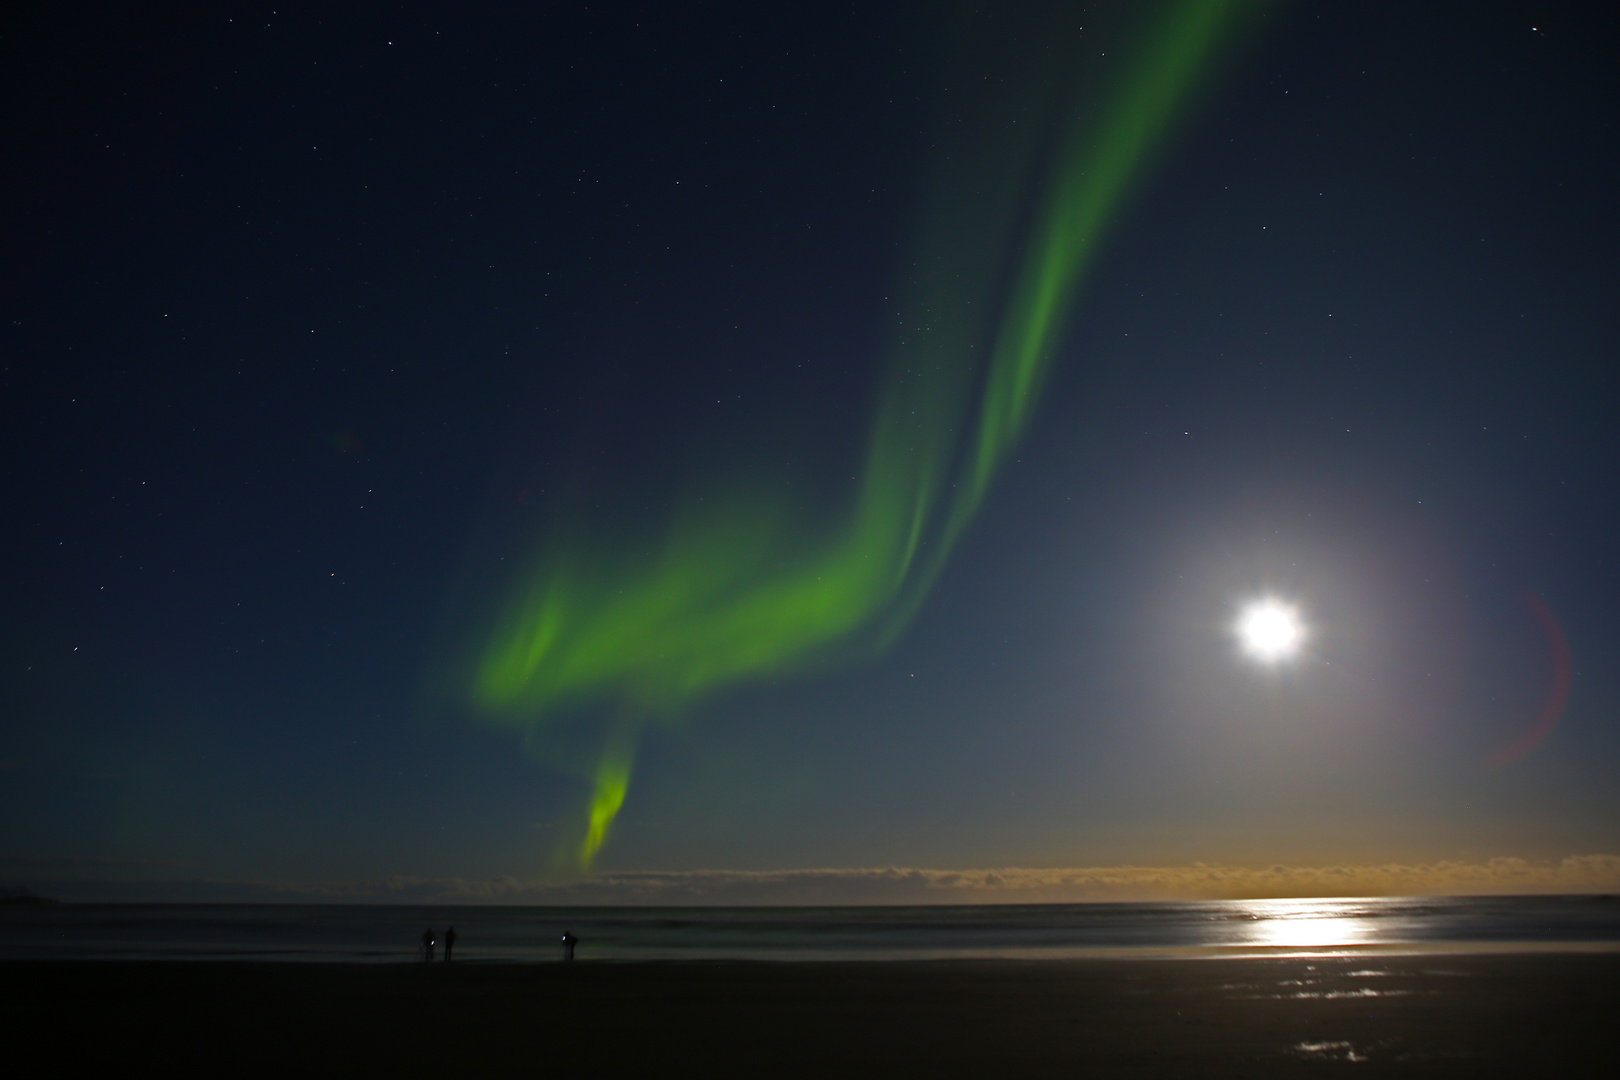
897	885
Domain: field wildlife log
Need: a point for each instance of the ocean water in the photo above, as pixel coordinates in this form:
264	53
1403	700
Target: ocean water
391	934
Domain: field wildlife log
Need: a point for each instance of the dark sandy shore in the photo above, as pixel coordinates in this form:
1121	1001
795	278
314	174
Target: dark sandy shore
1435	1015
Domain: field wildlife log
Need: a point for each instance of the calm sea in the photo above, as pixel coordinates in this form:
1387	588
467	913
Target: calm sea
524	934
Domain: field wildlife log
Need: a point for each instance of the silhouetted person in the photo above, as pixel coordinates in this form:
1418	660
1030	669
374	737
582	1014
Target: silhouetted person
569	941
427	945
449	943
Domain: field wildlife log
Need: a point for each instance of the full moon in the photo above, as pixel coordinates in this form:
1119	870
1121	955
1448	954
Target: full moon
1269	630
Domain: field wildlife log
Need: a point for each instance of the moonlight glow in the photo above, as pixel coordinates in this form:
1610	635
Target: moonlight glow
1270	631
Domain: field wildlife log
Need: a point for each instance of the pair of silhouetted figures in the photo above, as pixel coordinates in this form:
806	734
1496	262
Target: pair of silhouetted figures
429	942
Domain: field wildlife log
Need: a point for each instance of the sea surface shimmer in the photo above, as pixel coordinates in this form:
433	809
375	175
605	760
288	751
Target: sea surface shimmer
377	933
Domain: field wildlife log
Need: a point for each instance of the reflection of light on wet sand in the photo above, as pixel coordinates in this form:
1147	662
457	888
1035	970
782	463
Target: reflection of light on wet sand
1305	924
1331	1051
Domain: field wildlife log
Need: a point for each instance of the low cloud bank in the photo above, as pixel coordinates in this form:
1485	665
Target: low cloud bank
892	885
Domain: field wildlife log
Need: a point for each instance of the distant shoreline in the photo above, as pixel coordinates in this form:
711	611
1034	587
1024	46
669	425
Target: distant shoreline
981	905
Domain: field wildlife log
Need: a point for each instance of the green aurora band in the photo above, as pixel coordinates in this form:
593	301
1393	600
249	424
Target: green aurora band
740	589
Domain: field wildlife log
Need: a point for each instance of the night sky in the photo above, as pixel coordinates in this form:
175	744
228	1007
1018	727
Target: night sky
342	346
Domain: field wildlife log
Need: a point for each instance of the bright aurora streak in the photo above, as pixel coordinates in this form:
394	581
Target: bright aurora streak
744	589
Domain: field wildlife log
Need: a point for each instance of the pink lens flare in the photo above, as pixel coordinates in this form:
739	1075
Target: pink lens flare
1557	695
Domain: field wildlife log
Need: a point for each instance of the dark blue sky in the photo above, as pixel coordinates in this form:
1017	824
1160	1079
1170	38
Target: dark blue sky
312	320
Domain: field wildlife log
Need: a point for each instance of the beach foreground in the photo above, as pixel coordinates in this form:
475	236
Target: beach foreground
1367	1015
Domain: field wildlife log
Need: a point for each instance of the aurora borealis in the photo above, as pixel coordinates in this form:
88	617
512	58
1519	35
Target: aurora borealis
737	592
623	447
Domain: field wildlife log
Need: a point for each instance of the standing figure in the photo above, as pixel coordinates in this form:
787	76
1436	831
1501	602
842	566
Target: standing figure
449	943
427	945
569	941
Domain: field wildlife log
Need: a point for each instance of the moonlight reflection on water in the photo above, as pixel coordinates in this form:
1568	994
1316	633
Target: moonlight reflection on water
1301	924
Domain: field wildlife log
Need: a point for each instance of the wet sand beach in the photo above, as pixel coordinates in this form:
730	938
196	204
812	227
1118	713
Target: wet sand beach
1365	1015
